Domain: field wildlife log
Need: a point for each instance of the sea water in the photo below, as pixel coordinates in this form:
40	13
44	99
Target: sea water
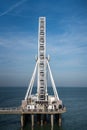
74	98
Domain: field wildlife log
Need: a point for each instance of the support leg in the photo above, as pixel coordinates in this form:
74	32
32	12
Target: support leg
45	119
38	118
60	120
41	120
52	120
32	120
22	120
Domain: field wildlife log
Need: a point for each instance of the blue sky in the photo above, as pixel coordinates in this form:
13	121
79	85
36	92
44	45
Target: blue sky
66	40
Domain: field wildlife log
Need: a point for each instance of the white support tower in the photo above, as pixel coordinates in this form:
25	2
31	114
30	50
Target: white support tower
42	64
41	91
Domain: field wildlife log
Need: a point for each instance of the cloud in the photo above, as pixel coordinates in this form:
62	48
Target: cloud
18	40
17	57
69	49
12	7
68	44
17	49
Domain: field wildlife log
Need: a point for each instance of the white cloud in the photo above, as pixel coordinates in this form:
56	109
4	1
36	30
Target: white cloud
17	50
13	7
69	48
18	41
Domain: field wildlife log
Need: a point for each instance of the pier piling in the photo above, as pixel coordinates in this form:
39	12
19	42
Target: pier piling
32	119
59	120
22	120
42	120
52	120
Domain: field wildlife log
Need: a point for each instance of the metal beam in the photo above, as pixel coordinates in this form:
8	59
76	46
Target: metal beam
52	81
31	83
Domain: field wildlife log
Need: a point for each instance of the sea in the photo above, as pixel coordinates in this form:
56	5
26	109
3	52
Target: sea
74	98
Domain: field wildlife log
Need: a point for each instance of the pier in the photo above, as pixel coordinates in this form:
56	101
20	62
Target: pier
25	111
32	113
41	103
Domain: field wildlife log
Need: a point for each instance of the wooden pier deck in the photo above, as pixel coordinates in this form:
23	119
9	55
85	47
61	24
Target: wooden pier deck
18	110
